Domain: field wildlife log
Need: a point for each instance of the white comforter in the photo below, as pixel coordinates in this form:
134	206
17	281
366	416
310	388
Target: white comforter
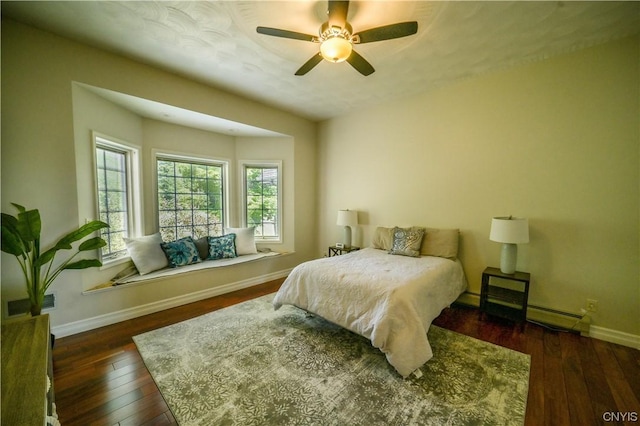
389	299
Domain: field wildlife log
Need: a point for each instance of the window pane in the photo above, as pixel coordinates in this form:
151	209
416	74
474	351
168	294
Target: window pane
199	171
184	217
166	184
165	168
199	232
215	229
116	180
113	160
183	185
167	202
199	185
184	231
113	198
200	201
189	199
261	202
116	201
117	241
184	201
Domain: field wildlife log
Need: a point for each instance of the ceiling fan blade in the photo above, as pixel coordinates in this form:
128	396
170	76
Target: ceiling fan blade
360	63
338	13
388	32
308	66
276	32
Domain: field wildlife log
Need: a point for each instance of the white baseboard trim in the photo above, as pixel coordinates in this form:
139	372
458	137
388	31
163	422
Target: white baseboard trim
567	320
127	314
614	336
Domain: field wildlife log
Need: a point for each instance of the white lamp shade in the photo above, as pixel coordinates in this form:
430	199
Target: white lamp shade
510	230
347	218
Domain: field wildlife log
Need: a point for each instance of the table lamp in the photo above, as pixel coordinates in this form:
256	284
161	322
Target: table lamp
510	231
347	218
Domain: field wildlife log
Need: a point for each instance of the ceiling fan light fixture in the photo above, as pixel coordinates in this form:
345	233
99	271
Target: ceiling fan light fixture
336	49
336	38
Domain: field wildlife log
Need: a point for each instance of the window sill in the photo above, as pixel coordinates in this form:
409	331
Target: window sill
115	262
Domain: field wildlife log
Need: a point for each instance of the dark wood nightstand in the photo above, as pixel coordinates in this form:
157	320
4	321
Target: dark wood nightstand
505	295
337	251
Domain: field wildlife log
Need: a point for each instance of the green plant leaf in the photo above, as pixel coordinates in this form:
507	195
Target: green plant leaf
80	233
92	244
19	207
83	264
21	237
11	242
45	257
29	225
8	220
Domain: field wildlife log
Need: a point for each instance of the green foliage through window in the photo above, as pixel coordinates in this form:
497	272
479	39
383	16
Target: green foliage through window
261	189
113	205
190	199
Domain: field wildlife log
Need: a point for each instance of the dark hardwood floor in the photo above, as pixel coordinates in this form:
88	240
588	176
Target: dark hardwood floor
100	379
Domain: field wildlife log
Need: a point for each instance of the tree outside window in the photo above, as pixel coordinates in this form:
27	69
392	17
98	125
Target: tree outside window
262	195
117	193
190	198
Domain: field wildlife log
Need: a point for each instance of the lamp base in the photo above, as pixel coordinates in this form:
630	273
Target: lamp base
508	258
347	237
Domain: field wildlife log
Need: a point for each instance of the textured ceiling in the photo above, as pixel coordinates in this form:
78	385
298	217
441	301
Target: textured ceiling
215	42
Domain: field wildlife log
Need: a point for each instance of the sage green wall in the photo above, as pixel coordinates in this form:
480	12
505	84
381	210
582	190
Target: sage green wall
555	141
39	156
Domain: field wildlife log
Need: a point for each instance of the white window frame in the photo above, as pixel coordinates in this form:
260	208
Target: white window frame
194	158
242	166
134	187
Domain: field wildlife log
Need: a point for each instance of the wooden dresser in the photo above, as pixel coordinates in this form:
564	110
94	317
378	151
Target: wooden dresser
26	364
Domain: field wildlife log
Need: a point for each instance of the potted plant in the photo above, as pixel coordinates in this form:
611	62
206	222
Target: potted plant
21	238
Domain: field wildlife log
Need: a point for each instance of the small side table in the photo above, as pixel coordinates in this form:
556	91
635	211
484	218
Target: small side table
507	297
337	251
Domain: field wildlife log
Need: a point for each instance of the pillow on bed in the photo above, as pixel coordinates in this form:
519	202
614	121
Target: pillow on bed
146	253
222	247
441	243
382	238
181	252
407	241
245	239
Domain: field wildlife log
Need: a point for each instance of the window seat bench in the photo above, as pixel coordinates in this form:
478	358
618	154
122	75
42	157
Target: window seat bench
135	277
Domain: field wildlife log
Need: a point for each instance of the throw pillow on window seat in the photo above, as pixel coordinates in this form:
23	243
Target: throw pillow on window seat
146	253
222	247
245	239
181	252
202	244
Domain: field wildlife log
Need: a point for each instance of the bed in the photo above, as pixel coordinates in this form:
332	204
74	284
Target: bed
389	299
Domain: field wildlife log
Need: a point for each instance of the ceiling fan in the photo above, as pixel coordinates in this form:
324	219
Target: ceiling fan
336	38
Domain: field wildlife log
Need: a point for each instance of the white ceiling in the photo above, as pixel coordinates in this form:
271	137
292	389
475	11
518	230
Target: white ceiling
216	42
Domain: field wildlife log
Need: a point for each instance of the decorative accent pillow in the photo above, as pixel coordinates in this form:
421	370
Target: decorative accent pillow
146	253
222	247
441	243
245	239
407	241
181	252
202	244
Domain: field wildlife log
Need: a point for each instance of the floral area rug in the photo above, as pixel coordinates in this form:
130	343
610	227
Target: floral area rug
251	365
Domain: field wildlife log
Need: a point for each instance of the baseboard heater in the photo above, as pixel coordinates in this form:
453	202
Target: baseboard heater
22	306
545	316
